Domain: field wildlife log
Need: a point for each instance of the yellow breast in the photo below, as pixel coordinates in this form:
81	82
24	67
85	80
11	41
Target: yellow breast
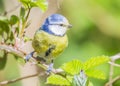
42	41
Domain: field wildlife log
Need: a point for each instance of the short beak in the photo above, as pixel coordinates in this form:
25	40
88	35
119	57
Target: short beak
69	26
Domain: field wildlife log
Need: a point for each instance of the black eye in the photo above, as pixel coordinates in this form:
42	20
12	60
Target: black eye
61	25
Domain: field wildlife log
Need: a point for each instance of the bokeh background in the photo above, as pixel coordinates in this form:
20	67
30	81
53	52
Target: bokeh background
95	32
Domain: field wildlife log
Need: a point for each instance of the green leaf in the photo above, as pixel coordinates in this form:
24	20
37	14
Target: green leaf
13	19
95	61
25	3
4	27
69	78
57	80
3	18
90	84
3	59
72	67
95	74
11	38
22	12
42	4
17	29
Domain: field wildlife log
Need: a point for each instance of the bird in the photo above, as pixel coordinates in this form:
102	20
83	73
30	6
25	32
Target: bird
50	40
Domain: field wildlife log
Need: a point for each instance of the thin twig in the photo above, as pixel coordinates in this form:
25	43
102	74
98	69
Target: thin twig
24	24
112	64
29	76
18	79
111	73
115	57
113	81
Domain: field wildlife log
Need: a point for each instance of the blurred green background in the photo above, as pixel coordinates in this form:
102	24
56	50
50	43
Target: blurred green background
95	32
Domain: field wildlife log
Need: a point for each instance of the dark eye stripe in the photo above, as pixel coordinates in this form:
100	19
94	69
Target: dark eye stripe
60	25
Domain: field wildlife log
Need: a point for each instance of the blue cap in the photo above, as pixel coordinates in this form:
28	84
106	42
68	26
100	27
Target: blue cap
55	19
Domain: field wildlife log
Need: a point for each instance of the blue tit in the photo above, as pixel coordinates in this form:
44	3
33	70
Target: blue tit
51	39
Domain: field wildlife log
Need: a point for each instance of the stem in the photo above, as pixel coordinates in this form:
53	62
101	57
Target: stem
112	64
111	73
24	24
22	54
28	13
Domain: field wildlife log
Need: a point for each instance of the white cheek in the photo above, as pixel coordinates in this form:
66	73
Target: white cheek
58	30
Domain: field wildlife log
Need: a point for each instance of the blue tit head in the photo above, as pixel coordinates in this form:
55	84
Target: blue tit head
56	24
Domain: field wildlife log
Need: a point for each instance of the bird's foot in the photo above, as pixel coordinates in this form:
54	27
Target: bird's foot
28	56
50	67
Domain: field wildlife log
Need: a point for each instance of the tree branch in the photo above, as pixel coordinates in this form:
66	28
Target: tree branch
111	72
18	79
115	57
114	64
29	76
25	22
12	50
